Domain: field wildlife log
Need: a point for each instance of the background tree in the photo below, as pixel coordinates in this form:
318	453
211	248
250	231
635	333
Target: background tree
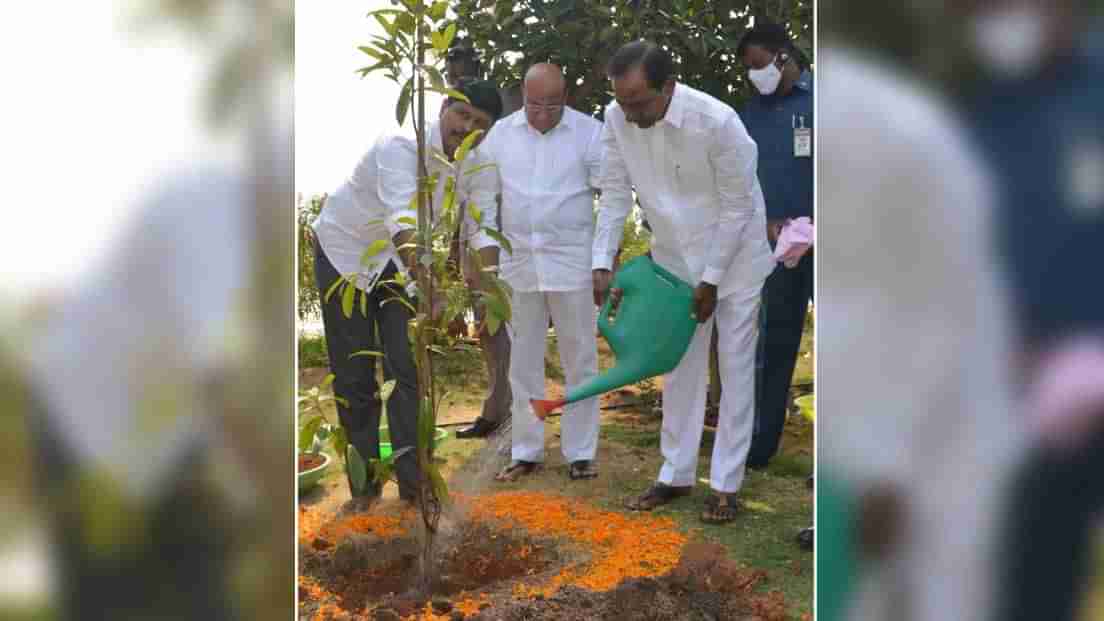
581	35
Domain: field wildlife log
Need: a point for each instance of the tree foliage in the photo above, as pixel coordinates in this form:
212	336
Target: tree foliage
581	35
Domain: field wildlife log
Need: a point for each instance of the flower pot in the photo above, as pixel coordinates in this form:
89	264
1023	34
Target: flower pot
310	476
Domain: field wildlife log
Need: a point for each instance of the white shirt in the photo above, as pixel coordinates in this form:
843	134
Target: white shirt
548	183
694	172
369	204
122	366
917	331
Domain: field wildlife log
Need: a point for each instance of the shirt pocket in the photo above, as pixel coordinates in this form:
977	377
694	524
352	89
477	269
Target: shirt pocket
689	164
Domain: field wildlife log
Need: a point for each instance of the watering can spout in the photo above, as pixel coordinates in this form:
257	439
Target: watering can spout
543	407
650	334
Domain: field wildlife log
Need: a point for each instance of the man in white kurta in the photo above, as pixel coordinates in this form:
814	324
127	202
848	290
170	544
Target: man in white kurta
548	158
693	165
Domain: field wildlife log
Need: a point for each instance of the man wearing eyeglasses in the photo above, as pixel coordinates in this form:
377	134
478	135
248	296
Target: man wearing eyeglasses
693	164
548	157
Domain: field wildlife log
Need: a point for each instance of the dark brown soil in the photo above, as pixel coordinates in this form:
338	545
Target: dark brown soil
373	577
309	461
705	586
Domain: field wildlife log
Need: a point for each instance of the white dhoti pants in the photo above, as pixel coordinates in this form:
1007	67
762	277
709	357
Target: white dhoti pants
575	318
684	395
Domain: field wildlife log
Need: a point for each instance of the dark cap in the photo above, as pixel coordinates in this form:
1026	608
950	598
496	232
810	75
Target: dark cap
483	94
461	49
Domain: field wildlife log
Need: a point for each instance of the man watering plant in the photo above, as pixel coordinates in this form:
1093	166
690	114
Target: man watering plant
548	157
374	205
691	161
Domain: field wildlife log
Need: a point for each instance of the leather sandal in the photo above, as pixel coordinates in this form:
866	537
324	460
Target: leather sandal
656	495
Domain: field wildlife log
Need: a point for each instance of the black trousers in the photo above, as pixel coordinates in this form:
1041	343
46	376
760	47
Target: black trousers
786	296
1047	549
382	328
176	568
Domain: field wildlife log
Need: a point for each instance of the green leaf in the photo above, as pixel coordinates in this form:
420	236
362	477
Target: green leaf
357	467
329	379
466	146
475	212
450	93
342	400
386	389
340	442
307	433
364	304
440	488
347	300
388	26
407	220
410	307
450	34
374	53
383	64
386	12
405	23
383	472
480	168
374	249
500	238
493	324
404	101
436	40
450	195
333	287
496	308
437	11
365	352
435	77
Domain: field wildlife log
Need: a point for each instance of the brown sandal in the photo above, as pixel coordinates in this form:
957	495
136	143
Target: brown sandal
656	495
720	508
516	470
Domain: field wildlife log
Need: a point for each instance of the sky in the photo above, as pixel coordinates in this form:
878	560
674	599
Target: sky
82	154
338	114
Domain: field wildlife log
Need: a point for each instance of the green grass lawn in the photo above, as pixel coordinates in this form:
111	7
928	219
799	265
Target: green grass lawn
776	502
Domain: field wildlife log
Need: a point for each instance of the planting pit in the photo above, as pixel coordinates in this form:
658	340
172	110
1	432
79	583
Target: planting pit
520	555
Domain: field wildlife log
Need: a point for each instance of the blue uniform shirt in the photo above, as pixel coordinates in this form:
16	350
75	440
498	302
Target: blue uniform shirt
1044	140
787	180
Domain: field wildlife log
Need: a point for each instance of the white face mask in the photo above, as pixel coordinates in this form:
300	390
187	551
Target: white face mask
1010	42
766	80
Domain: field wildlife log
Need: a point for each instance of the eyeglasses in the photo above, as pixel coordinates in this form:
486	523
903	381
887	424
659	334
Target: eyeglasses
538	107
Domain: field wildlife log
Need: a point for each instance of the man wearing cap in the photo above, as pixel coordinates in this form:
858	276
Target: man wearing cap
374	205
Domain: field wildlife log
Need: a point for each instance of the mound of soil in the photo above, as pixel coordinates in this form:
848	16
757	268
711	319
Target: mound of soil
706	586
374	577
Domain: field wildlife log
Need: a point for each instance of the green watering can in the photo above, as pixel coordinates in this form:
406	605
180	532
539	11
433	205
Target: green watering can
649	333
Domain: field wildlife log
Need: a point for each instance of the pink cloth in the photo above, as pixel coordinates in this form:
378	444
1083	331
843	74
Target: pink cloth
794	241
1067	397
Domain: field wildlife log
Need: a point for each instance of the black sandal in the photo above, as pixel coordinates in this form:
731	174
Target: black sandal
720	508
656	495
582	469
516	470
